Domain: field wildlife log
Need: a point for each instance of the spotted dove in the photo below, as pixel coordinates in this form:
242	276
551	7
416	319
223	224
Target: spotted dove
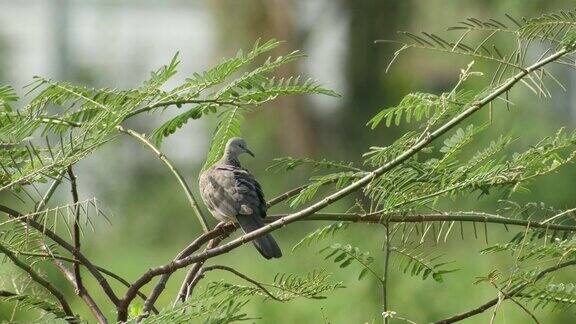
232	194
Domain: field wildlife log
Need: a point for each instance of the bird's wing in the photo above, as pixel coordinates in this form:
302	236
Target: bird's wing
232	191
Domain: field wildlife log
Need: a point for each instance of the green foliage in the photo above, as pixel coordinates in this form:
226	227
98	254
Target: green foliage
551	26
7	95
211	310
250	89
285	287
27	303
312	285
63	123
321	234
415	260
413	106
88	118
533	250
558	296
339	179
290	163
228	127
345	255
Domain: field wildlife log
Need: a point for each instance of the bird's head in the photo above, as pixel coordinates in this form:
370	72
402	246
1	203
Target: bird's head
237	146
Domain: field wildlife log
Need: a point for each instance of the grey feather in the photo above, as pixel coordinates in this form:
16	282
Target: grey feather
232	194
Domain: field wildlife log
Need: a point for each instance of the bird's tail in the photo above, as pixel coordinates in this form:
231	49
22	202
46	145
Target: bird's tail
266	244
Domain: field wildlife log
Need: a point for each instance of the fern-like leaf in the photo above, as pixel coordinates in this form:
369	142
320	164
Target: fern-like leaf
417	261
345	255
321	234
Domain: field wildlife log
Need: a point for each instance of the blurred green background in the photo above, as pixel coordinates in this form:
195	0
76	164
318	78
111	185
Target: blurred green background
116	44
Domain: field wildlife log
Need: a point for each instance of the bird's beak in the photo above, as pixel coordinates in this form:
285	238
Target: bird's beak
250	152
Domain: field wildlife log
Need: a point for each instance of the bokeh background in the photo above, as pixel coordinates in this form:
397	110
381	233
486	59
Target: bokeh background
116	44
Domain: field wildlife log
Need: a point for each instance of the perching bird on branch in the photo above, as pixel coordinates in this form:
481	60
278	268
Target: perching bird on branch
233	195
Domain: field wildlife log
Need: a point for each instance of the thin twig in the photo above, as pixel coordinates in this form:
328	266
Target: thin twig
81	292
175	172
218	231
73	277
385	277
71	318
291	193
49	192
526	310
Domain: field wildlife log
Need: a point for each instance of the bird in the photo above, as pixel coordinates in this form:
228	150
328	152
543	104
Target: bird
232	194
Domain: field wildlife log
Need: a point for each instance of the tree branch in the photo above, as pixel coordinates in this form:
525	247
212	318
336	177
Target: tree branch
74	278
187	285
101	269
81	292
60	241
181	181
512	293
41	281
76	233
526	310
220	230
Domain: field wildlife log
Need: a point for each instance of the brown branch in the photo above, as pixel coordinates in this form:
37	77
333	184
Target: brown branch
73	277
331	198
187	287
526	310
81	292
76	232
71	318
220	230
60	241
512	293
101	269
397	218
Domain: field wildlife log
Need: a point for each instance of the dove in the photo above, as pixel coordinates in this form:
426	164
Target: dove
232	194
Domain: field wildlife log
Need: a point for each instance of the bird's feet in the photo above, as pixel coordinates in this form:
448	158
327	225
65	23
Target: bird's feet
225	226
